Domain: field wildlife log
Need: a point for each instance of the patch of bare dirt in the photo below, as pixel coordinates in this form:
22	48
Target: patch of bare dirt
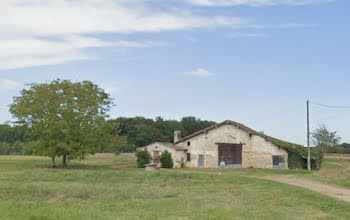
102	155
58	198
334	191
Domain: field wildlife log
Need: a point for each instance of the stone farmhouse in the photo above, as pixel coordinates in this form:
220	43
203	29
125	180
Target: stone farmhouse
227	145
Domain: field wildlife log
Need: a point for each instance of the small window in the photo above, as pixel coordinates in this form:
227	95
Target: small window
188	157
188	143
278	161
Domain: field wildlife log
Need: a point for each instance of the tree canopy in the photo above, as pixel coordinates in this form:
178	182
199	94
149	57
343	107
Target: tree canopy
67	118
323	137
141	131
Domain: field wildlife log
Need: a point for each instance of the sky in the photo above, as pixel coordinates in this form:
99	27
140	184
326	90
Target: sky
251	61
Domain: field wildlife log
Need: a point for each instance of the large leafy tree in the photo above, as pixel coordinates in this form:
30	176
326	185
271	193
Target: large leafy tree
67	118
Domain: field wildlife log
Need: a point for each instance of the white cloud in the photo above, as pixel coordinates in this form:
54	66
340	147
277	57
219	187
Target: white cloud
25	52
255	2
39	32
199	72
45	32
61	17
8	84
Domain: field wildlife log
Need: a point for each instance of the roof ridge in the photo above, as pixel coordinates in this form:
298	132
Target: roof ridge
240	125
168	144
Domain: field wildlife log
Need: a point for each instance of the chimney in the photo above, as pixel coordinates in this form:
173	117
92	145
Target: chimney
177	136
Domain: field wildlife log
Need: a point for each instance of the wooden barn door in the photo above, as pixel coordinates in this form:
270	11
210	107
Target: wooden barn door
230	155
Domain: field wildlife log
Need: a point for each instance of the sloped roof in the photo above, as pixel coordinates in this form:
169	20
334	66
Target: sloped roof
279	143
169	145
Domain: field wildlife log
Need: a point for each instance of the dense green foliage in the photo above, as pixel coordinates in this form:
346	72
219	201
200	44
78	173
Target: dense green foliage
16	148
141	131
67	119
109	139
119	135
12	134
13	139
165	160
143	158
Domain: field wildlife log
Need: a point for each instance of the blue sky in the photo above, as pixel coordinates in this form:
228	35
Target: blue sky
251	61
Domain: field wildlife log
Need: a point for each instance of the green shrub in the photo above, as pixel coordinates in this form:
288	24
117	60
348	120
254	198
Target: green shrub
166	160
116	152
143	157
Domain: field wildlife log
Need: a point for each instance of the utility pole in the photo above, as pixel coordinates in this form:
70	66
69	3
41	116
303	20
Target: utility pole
308	137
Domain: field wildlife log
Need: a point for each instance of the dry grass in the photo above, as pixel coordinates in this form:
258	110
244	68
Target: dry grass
111	187
334	171
101	156
20	157
337	157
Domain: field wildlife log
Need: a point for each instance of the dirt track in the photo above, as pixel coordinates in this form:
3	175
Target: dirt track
330	190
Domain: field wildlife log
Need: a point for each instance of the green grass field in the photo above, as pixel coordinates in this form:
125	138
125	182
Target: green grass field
106	187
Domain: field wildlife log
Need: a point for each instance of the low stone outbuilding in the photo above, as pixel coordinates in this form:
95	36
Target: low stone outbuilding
226	145
156	149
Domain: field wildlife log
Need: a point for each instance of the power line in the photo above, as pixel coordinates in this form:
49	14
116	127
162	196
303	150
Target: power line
331	106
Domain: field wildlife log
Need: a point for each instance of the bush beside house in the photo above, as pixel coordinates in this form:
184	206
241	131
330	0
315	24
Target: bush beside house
166	160
143	158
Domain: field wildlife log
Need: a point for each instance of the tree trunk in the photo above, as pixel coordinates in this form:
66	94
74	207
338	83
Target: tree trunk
64	160
53	163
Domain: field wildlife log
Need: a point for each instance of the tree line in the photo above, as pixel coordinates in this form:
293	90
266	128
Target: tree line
12	139
141	131
131	132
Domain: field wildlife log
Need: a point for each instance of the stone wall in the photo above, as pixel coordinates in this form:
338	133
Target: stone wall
176	155
256	151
